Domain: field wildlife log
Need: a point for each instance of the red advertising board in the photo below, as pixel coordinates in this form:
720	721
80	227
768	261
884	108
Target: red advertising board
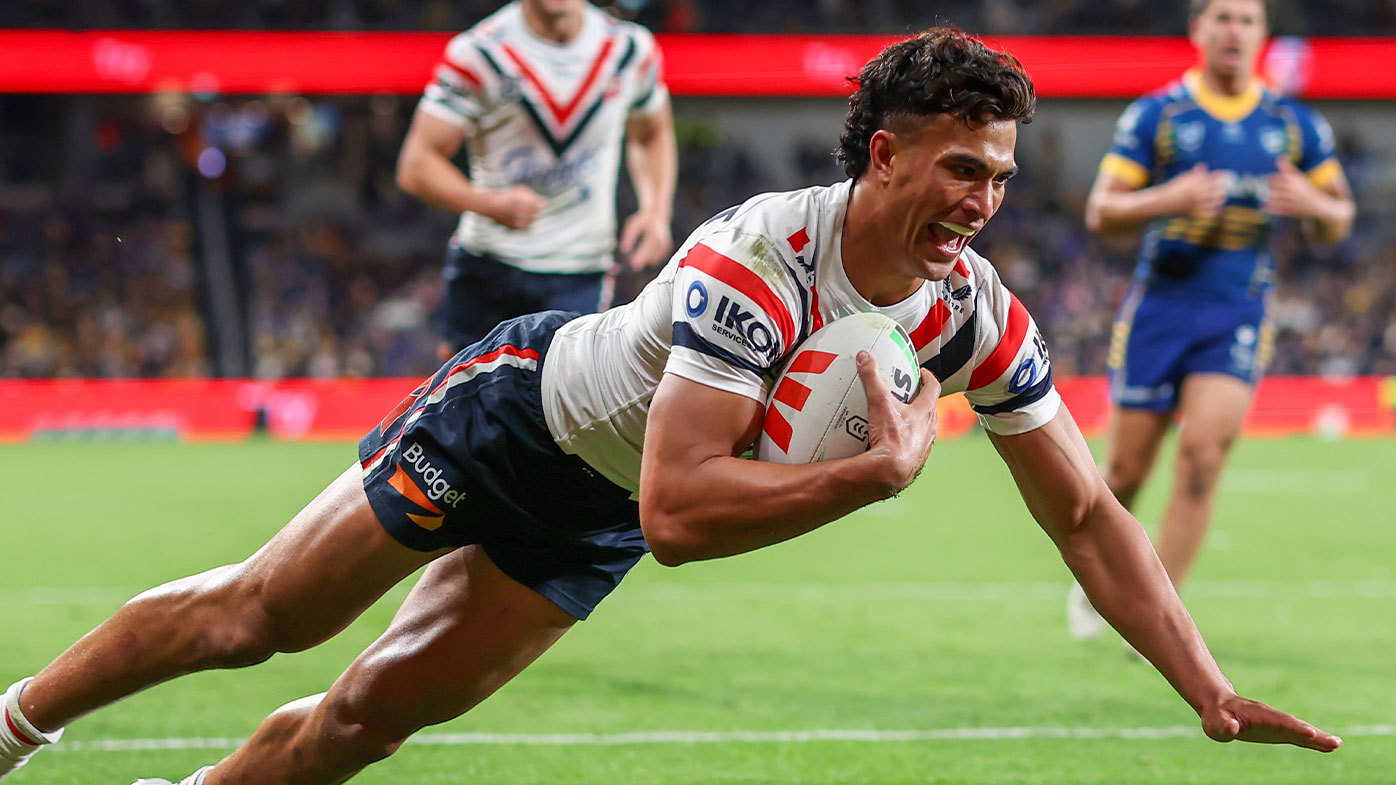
222	409
247	62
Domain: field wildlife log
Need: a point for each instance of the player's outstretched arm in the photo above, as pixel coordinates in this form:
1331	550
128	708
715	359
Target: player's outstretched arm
1113	560
698	500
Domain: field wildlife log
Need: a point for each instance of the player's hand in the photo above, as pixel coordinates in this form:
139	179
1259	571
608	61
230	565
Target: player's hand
902	432
646	240
1242	719
515	207
1199	192
1291	192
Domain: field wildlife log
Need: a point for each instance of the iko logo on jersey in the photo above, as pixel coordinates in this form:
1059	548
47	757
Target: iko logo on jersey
737	323
695	302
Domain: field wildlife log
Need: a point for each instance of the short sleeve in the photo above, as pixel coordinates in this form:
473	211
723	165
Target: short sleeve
732	324
1132	153
648	91
456	93
1011	385
1317	156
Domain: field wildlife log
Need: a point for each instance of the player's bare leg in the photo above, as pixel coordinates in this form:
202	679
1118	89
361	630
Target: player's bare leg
464	631
241	614
1212	407
1132	445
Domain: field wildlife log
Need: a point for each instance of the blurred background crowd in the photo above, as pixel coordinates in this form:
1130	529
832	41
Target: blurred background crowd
989	17
173	235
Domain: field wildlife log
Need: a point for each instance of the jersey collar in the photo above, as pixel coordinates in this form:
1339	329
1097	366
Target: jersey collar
1226	108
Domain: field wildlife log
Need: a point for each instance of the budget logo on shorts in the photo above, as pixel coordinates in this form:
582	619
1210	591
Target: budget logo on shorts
429	490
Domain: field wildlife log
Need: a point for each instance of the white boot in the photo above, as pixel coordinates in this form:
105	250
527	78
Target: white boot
197	778
1082	621
19	739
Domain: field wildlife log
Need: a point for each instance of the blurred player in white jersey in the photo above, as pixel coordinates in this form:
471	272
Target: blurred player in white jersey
534	469
542	93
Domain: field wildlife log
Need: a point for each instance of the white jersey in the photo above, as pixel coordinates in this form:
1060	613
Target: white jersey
552	117
737	299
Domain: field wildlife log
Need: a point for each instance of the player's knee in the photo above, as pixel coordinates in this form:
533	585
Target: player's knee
212	629
242	626
1125	477
362	734
1199	466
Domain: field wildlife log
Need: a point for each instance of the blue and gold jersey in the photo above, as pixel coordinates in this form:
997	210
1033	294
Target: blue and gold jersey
1226	256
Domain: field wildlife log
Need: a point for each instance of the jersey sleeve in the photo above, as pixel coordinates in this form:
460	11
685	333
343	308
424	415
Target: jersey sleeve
457	91
648	92
1011	385
734	313
1132	150
1317	156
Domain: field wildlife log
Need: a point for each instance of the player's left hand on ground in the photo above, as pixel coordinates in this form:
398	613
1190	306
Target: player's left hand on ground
1242	719
1291	192
646	240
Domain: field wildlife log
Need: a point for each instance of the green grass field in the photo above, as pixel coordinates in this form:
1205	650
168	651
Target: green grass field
933	624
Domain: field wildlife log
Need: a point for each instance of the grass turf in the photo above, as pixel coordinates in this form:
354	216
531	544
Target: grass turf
940	610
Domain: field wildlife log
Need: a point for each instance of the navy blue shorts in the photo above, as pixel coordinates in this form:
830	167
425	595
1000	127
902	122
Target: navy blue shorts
482	291
1159	339
467	459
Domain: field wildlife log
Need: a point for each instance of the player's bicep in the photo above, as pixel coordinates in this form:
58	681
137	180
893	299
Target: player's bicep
1054	472
643	127
690	422
431	134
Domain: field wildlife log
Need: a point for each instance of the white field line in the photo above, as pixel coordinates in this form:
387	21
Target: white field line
716	737
1368	588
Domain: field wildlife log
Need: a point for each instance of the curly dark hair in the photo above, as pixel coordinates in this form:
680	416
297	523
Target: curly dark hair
940	71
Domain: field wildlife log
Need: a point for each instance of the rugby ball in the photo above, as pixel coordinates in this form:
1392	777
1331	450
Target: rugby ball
818	409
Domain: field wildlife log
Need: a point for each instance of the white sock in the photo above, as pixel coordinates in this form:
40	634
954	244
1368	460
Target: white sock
197	778
17	725
19	739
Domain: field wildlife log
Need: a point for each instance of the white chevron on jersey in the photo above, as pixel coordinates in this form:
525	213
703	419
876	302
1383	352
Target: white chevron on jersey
552	117
742	293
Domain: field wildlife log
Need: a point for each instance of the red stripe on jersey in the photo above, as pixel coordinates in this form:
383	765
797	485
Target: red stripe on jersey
1009	343
778	428
22	736
561	114
732	273
509	349
471	79
402	407
929	328
793	394
816	318
961	269
811	362
798	240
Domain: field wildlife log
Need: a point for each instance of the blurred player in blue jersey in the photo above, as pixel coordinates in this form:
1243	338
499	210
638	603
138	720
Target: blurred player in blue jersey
1207	163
